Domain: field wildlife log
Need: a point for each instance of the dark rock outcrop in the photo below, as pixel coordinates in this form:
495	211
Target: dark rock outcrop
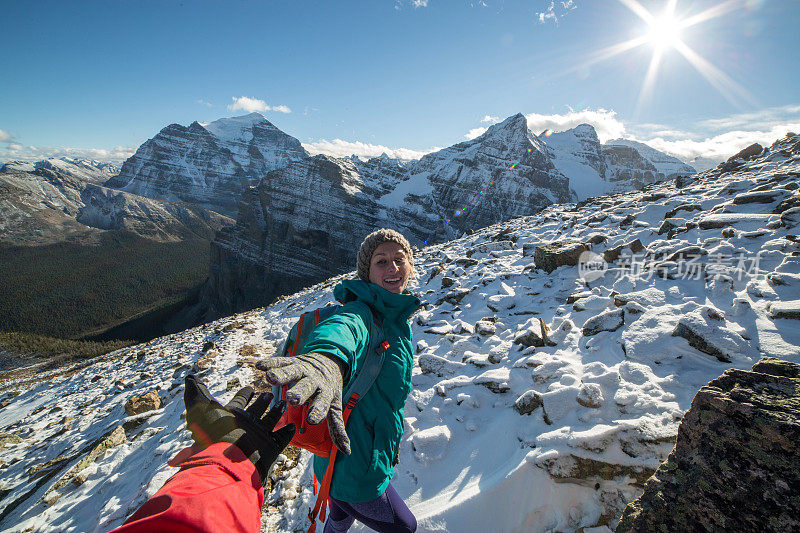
734	466
549	257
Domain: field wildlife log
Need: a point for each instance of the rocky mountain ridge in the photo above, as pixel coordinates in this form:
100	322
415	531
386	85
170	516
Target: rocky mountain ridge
546	390
84	169
57	200
506	172
208	164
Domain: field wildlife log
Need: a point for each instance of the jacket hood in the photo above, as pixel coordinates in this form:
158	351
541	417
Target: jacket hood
392	306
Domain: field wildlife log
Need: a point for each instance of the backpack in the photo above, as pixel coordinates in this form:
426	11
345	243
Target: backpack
316	438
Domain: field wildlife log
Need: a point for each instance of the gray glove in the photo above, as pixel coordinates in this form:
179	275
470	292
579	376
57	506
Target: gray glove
319	377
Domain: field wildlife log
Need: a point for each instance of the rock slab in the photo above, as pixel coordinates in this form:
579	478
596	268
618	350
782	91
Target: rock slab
549	257
734	466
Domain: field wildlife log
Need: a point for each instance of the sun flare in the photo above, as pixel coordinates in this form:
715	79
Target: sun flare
665	32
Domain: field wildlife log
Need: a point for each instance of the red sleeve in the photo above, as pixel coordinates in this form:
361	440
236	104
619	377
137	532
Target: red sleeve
216	490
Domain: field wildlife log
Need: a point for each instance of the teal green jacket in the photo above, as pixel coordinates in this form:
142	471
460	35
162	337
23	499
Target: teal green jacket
376	424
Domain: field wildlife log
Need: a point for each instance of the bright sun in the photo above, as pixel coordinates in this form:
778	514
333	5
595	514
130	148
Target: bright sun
665	32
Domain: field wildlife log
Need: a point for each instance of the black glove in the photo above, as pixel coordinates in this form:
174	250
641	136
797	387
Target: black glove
209	422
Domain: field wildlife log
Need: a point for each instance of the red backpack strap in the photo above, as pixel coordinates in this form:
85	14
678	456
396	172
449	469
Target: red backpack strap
321	506
297	334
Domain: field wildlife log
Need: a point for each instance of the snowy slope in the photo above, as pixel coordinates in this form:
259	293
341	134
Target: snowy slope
604	406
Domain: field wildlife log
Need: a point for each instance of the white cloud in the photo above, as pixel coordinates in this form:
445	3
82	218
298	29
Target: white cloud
203	102
17	152
555	11
719	147
251	105
419	3
5	137
475	132
606	123
763	119
490	119
340	148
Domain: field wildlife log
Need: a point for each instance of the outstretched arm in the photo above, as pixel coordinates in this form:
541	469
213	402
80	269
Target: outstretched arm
220	483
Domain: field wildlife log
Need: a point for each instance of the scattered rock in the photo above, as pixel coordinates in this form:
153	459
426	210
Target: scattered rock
454	296
573	467
486	328
705	329
48	467
787	203
111	440
666	227
785	309
9	438
447	282
791	217
591	395
491	247
433	364
549	257
496	380
723	220
208	345
683	181
233	384
734	466
607	321
248	350
777	367
688	252
141	404
528	402
465	261
749	153
760	197
612	254
596	238
575	296
683	207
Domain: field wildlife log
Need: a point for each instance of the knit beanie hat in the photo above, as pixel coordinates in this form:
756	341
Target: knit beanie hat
375	239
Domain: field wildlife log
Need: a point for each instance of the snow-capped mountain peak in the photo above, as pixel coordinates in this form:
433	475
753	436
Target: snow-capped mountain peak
238	128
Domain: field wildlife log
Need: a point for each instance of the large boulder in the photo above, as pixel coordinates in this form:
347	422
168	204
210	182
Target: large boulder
549	257
734	466
607	321
141	404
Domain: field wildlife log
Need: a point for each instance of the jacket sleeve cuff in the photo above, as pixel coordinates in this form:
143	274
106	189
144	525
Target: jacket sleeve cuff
227	456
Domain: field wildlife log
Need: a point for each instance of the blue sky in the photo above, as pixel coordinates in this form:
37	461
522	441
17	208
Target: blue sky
98	78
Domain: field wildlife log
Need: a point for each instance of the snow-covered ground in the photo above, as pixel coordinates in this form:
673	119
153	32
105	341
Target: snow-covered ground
502	433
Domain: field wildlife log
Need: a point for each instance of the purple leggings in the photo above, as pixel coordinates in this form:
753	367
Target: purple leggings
387	513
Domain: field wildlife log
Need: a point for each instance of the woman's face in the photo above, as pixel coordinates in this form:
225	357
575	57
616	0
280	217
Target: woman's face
390	267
